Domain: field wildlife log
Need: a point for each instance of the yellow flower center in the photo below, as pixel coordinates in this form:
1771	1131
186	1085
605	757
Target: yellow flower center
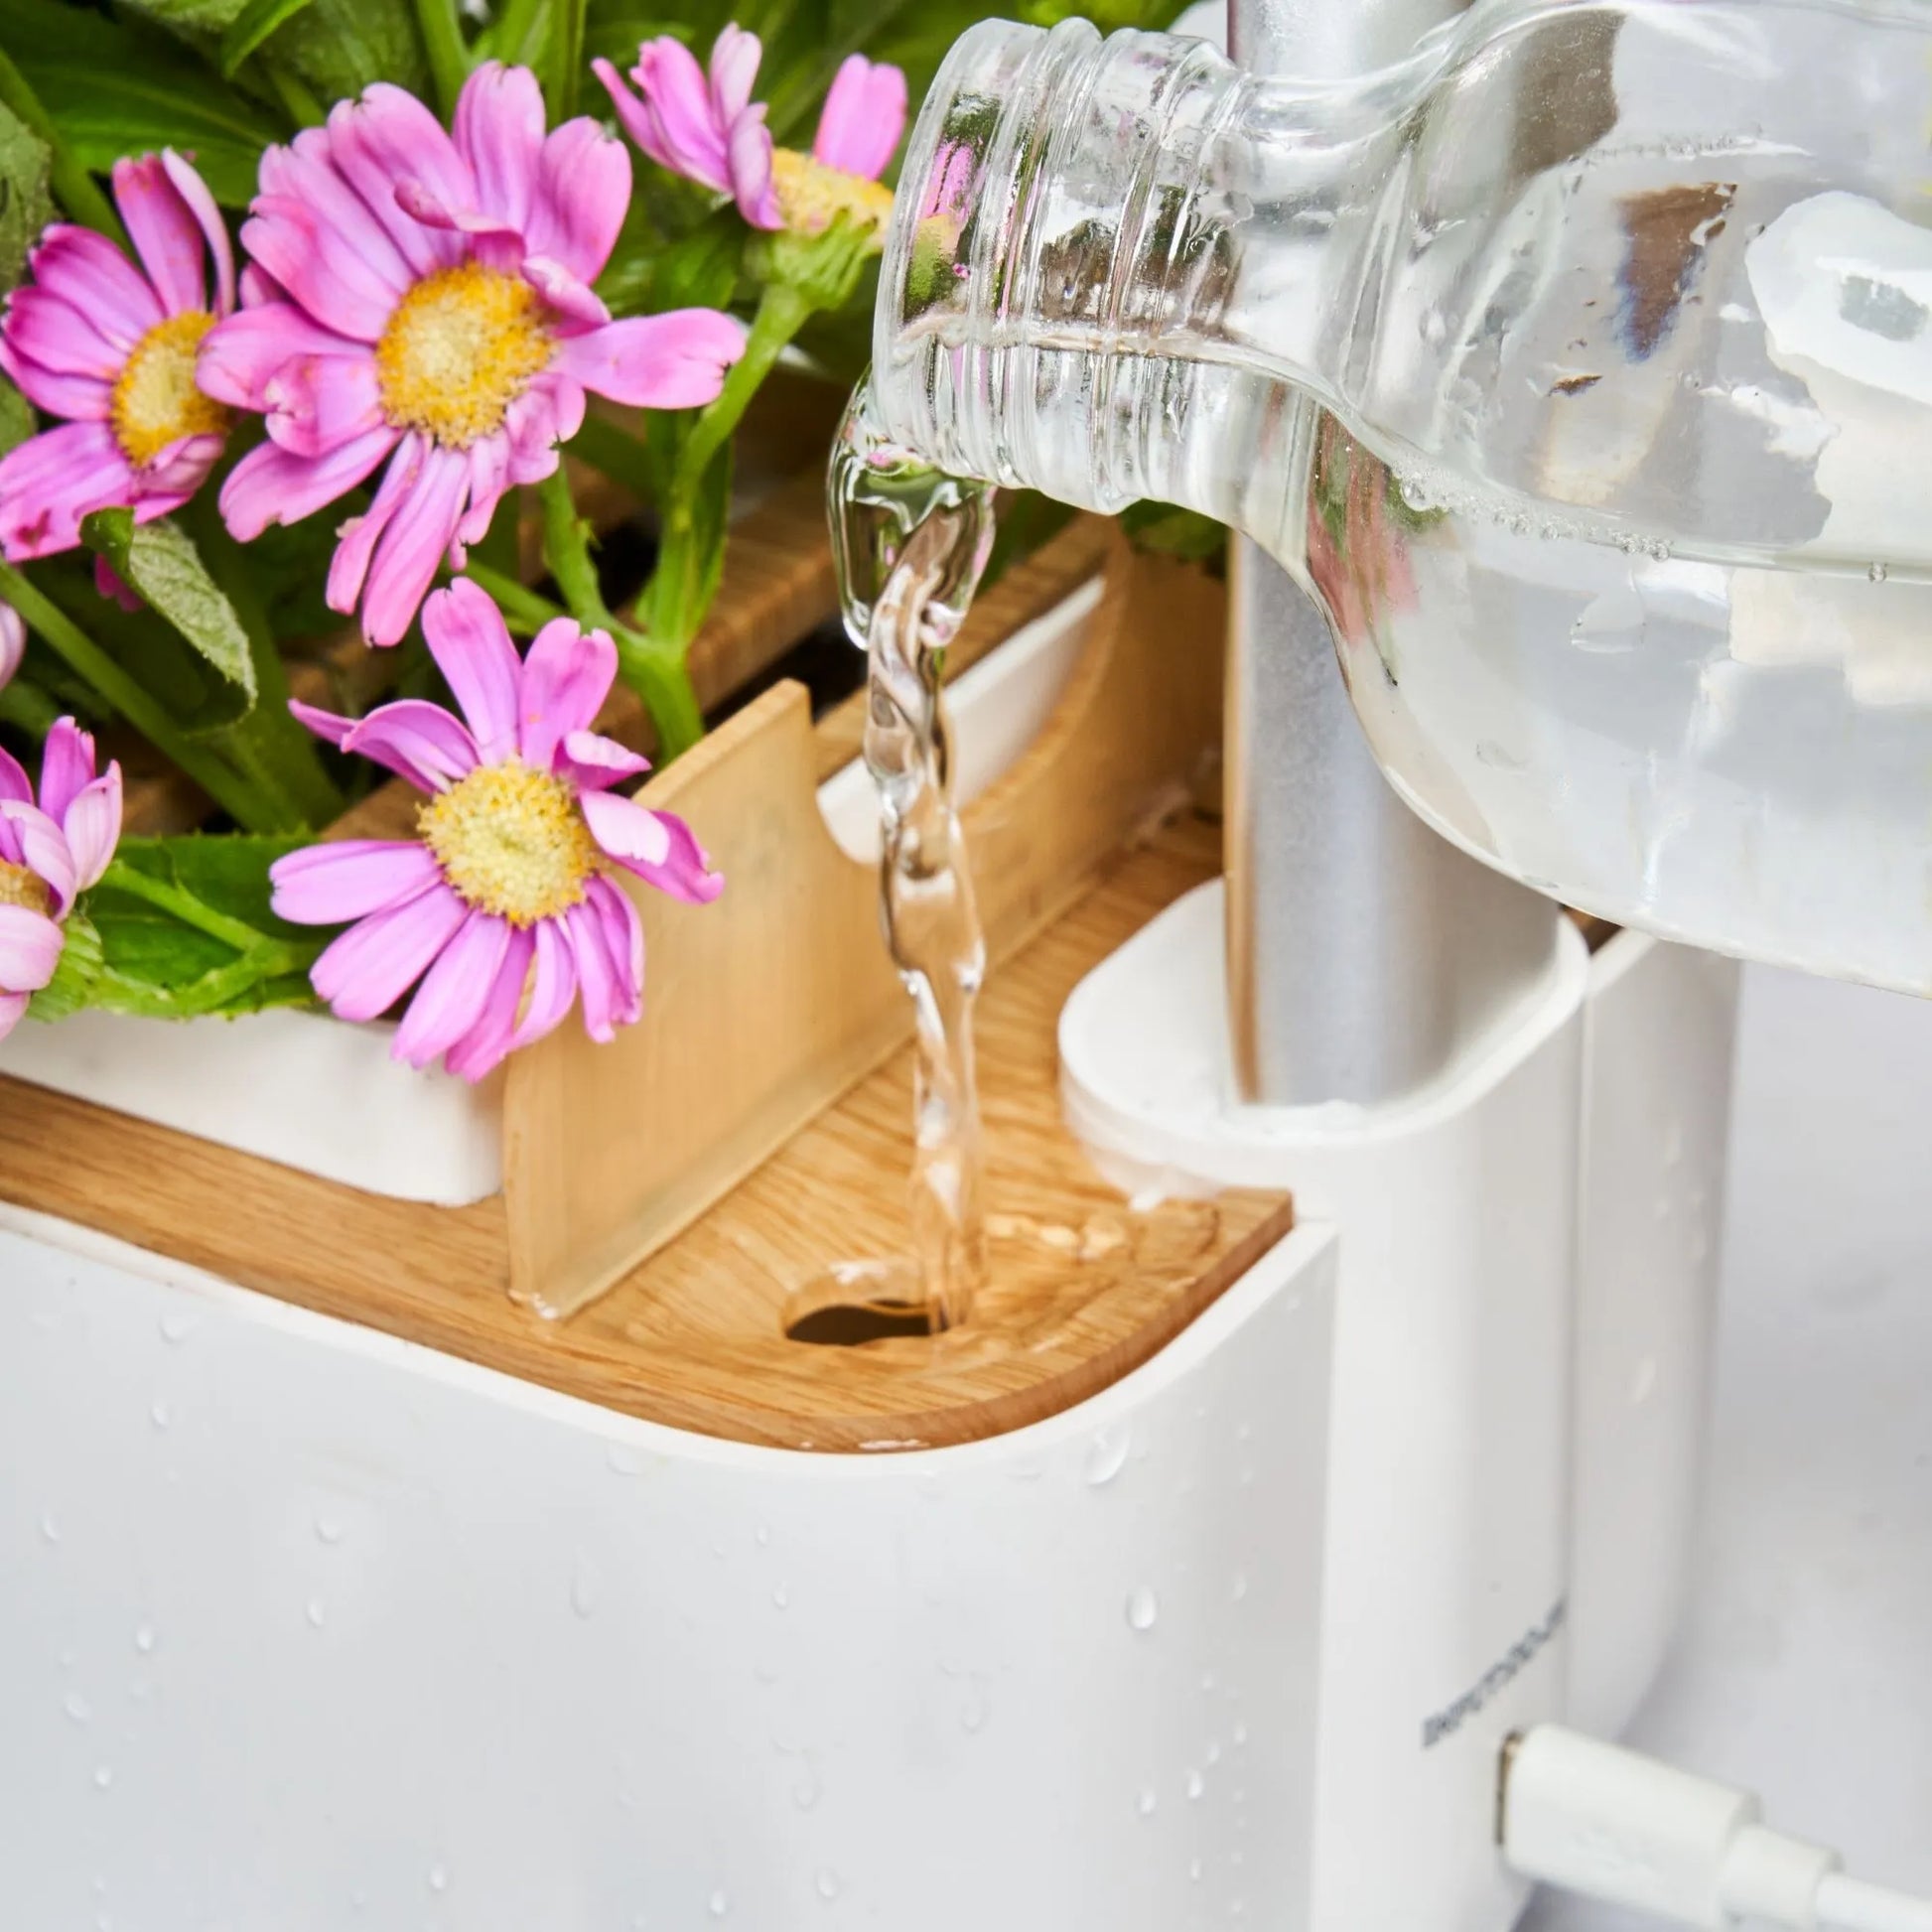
461	348
21	887
511	841
810	195
155	402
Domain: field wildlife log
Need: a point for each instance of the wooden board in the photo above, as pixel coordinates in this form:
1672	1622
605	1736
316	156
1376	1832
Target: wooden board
693	1338
761	1008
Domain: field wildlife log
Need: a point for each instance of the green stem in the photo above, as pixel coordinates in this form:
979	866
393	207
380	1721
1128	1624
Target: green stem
297	101
240	799
449	57
25	705
782	311
73	186
511	34
520	605
567	51
655	671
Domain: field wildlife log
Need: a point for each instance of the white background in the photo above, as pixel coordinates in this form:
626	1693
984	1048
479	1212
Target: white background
1806	1668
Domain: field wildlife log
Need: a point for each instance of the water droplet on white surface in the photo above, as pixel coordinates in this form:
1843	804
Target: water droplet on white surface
327	1530
1213	1753
1240	1735
1143	1609
160	1416
583	1586
103	1776
144	1638
50	1529
1146	1802
1239	1590
781	1597
827	1884
807	1791
974	1713
1107	1456
1208	1681
625	1459
720	1904
77	1708
176	1324
315	1612
763	1534
439	1878
1196	1785
1879	573
1193	1870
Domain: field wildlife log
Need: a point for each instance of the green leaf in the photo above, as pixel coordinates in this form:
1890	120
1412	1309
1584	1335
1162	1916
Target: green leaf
16	417
25	206
76	973
161	564
120	86
185	930
253	25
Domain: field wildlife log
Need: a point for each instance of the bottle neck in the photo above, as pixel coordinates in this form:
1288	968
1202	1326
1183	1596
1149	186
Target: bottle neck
1114	264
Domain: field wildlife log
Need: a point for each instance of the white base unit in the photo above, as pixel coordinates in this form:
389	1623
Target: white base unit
1526	1281
307	1629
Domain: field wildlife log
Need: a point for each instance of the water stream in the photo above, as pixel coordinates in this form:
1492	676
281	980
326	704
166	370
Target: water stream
910	543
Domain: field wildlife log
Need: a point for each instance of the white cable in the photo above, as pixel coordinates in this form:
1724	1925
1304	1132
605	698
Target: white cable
1620	1827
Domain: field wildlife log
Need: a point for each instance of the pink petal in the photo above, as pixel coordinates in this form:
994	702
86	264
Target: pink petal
390	136
675	360
13	647
164	233
326	725
472	646
865	114
44	327
632	114
566	678
44	852
349	878
583	188
550	411
349	569
657	846
86	271
78	398
364	972
454	992
340	284
422	205
624	943
317	403
490	461
92	826
499	134
308	172
30	949
750	171
13	1009
271	485
175	476
609	999
416	740
553	983
14	782
67	767
482	1047
414	546
199	203
685	135
240	357
110	584
735	57
594	763
51	481
562	291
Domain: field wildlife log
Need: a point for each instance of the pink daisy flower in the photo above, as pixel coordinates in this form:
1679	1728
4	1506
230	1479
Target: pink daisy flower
50	854
708	130
503	905
427	300
111	349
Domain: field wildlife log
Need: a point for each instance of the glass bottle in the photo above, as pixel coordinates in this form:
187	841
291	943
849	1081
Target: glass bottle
1581	365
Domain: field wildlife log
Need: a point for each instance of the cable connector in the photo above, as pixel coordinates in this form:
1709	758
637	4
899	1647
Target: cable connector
1614	1825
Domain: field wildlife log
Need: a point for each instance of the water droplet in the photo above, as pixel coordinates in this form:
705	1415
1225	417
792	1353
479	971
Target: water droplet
103	1776
1208	1681
315	1612
144	1638
159	1414
1213	1753
763	1534
1239	1588
439	1878
1146	1802
625	1459
176	1324
50	1529
583	1586
1193	1870
1142	1610
1196	1784
827	1884
1107	1456
781	1597
327	1530
77	1708
1879	573
720	1904
807	1791
977	1707
1240	1735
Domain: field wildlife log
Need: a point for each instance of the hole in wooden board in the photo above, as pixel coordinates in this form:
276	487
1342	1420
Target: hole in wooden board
856	1301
